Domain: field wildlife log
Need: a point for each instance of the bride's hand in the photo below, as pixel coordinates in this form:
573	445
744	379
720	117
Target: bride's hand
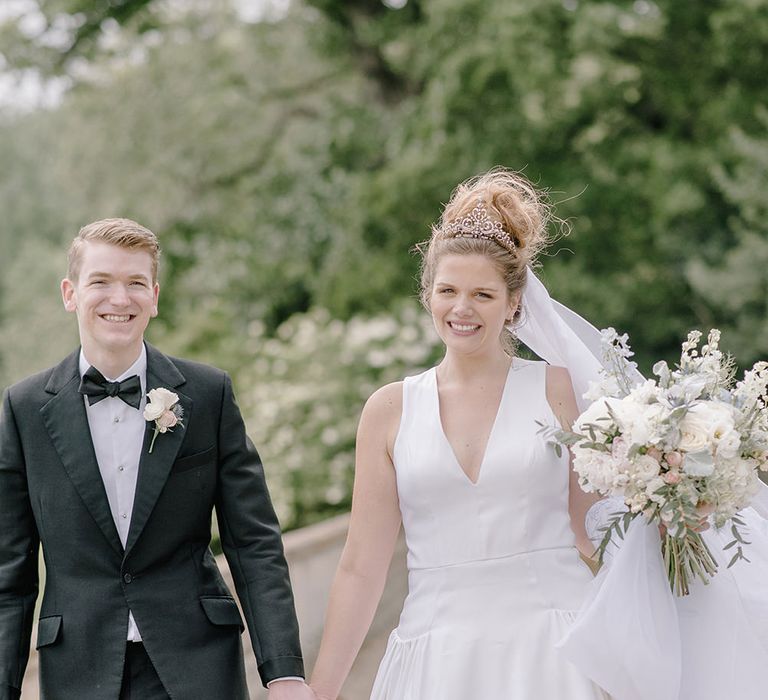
320	696
703	510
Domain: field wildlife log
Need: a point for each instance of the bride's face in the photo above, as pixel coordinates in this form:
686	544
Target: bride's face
470	303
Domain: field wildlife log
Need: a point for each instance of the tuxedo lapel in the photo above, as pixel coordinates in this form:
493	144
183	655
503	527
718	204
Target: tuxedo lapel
65	419
154	467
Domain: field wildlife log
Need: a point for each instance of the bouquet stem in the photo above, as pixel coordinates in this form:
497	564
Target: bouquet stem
685	558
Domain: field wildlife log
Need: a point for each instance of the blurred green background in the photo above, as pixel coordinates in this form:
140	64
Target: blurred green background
290	153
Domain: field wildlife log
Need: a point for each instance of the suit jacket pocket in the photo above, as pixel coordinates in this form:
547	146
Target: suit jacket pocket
221	610
198	459
48	629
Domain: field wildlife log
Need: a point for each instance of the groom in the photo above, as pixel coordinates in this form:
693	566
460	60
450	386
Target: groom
121	500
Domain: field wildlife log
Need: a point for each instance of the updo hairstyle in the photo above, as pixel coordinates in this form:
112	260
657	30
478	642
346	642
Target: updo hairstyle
509	198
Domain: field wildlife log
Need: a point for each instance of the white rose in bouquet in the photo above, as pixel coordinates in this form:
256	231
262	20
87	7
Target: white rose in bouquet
728	446
645	468
704	424
640	416
632	420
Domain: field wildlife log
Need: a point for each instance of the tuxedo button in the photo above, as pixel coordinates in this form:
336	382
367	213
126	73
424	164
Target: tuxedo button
116	419
127	578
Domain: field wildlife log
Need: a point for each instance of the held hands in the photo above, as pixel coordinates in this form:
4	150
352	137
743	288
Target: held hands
319	696
290	690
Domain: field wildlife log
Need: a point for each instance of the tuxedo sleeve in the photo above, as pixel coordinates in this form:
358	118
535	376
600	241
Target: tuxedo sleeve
250	537
18	557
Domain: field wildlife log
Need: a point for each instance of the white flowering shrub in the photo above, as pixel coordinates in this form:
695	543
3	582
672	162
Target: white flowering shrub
303	393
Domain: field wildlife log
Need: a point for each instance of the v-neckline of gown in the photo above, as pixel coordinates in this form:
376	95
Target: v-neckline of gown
444	435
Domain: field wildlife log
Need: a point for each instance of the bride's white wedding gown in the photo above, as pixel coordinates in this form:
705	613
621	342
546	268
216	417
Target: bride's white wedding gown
494	576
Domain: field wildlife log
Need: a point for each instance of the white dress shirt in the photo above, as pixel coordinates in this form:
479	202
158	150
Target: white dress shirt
117	432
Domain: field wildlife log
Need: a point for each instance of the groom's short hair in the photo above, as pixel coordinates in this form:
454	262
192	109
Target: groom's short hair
123	233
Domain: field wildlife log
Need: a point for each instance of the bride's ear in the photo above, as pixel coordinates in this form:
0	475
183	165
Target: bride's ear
68	295
514	306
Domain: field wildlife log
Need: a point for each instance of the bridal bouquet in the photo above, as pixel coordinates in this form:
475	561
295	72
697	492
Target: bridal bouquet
681	450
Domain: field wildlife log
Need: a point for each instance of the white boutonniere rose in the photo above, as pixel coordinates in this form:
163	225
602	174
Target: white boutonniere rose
163	408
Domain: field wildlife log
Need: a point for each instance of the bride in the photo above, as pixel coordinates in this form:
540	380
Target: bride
500	606
492	515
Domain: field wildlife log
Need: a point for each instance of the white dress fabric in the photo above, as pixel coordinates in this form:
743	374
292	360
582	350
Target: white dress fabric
494	575
709	645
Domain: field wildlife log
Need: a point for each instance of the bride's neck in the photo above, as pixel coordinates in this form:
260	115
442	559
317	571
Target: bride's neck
471	369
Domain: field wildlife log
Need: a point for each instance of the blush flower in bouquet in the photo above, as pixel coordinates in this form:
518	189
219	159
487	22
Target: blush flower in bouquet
682	450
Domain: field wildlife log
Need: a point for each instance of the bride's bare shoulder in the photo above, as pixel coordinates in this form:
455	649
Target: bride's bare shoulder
386	402
559	379
560	394
380	420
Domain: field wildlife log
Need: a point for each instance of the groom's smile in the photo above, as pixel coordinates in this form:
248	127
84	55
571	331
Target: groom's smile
114	296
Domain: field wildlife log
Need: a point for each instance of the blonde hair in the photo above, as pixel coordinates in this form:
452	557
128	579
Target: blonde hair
508	198
124	233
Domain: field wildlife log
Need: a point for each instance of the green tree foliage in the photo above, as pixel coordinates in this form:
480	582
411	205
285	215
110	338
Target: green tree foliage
733	286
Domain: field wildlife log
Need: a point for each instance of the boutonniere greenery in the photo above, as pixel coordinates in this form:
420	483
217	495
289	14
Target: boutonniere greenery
163	408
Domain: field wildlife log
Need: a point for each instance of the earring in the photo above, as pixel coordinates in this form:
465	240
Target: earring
512	324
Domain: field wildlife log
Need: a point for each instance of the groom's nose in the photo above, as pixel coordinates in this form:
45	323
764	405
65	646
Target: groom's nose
119	295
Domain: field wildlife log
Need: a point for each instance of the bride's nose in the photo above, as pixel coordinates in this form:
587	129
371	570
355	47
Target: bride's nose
462	307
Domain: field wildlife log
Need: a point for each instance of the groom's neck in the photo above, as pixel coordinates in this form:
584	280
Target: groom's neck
111	363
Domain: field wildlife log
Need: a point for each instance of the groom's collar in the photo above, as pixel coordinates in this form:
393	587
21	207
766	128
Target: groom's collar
159	365
139	367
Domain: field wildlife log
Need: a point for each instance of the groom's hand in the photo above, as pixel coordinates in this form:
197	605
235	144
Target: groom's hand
290	690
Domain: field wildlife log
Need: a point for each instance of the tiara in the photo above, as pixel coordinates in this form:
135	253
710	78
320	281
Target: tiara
477	224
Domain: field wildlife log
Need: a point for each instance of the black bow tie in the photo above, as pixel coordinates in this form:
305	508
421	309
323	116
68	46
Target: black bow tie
96	388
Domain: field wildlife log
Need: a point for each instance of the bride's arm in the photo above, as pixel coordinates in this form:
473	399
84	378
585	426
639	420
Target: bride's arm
373	529
563	402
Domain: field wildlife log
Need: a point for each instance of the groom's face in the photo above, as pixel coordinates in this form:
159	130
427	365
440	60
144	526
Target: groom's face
114	296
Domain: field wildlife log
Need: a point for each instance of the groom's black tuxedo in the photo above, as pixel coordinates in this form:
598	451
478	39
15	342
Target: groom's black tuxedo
51	491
